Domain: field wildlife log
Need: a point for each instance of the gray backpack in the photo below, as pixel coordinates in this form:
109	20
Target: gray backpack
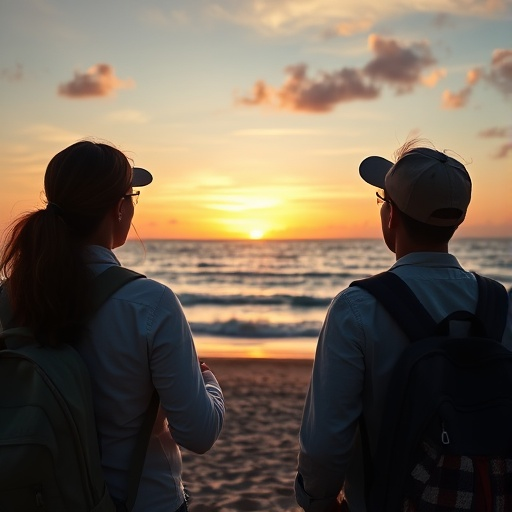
49	454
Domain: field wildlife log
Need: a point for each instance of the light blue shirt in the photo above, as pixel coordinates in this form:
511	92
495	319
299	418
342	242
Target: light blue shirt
357	349
140	340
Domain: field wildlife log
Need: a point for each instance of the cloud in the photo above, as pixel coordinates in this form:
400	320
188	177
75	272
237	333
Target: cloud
500	75
495	132
454	100
493	6
289	17
398	65
12	74
473	76
284	17
99	80
349	27
499	132
395	64
321	94
503	151
434	77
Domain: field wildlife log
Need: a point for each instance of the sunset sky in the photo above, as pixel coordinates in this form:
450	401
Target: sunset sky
253	115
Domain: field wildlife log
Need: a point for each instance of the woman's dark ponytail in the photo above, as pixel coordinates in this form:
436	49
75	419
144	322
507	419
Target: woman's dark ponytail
47	280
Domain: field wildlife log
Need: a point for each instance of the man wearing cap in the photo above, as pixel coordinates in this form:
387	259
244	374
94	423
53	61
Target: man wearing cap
424	198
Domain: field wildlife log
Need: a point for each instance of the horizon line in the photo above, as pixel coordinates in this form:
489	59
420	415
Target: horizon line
328	239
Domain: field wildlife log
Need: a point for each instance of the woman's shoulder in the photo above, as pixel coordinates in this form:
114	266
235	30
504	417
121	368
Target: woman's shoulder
146	291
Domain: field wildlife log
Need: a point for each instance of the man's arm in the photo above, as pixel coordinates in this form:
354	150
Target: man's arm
332	409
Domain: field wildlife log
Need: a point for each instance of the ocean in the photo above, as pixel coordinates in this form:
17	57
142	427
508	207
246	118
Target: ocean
268	298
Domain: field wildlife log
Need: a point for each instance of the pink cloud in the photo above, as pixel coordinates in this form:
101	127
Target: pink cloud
499	132
473	76
262	94
500	74
495	5
434	77
454	100
348	28
301	93
395	64
495	132
99	80
503	151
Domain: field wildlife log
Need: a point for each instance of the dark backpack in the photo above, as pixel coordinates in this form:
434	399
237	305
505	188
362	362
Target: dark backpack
49	455
446	435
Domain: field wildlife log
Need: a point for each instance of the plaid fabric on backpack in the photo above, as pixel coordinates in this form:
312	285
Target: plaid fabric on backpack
49	454
442	481
446	436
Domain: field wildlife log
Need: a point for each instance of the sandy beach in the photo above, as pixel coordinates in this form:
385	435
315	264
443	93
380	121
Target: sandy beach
252	465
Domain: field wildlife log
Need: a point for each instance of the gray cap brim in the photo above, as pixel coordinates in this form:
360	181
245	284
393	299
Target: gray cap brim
373	170
141	177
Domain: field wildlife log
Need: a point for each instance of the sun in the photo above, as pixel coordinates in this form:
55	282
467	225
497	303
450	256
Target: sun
256	234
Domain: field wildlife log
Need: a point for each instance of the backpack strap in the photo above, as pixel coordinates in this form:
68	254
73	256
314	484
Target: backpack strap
11	337
105	285
108	282
492	306
408	312
406	309
401	303
5	308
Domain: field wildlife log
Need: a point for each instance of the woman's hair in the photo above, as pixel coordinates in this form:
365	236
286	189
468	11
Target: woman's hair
48	283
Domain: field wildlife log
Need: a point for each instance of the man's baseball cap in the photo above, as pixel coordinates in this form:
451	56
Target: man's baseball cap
141	177
425	184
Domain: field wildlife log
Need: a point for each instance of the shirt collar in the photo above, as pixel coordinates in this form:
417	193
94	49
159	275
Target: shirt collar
96	254
428	259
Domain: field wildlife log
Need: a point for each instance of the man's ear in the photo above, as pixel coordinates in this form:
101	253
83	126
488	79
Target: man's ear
393	217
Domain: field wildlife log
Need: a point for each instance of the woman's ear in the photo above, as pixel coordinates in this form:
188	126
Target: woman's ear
118	210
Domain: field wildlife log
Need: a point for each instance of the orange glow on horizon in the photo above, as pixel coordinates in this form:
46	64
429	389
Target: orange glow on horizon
288	216
270	348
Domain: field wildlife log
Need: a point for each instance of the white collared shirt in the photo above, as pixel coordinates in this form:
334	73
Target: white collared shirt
140	340
357	349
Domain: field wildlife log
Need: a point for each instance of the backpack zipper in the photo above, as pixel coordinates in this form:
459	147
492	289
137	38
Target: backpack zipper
445	438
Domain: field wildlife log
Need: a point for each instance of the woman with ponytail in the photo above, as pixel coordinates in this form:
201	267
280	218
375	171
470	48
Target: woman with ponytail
137	342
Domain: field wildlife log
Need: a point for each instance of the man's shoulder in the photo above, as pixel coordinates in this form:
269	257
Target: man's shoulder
352	296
